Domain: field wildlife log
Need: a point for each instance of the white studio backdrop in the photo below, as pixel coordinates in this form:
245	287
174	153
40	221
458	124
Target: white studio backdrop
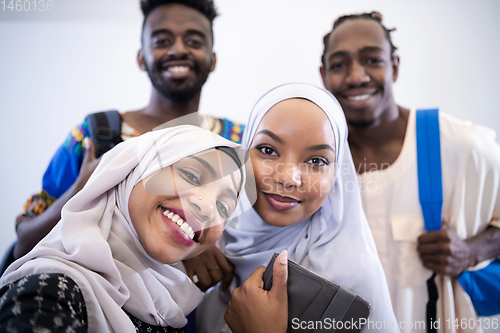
58	66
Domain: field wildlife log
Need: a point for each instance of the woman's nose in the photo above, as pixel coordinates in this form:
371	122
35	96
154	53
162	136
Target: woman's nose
288	175
204	206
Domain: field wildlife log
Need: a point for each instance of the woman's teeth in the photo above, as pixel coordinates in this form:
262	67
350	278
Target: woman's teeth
180	223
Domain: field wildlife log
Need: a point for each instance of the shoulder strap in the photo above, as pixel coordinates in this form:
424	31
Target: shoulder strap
105	130
430	187
430	190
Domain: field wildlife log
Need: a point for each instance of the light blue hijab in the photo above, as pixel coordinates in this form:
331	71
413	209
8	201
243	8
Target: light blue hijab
334	242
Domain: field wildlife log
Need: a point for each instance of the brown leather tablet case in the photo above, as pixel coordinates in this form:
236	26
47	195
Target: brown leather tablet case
318	305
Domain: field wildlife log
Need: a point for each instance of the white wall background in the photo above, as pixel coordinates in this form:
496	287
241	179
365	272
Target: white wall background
55	67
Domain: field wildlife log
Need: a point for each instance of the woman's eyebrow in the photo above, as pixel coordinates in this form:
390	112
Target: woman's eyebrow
232	194
272	135
206	165
321	147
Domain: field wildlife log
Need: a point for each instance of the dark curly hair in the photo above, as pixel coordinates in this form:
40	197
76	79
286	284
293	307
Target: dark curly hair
375	16
206	7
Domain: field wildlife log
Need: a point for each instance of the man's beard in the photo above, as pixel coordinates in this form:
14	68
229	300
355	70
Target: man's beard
171	90
361	124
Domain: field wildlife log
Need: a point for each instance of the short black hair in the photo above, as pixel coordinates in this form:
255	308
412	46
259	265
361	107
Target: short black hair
206	7
375	16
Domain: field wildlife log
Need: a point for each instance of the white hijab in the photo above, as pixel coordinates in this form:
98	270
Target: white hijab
95	242
335	242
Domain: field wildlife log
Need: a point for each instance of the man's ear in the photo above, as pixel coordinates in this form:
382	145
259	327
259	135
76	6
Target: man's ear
214	61
322	71
140	60
395	67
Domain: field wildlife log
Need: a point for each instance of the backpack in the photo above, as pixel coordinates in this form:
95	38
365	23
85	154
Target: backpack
105	130
481	285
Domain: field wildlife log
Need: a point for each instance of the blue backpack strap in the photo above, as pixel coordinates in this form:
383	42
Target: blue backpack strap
430	190
430	182
482	285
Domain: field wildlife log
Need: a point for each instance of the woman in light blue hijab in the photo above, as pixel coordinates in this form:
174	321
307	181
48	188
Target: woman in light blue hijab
307	203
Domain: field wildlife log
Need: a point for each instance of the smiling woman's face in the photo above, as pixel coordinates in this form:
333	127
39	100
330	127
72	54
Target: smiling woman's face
180	210
293	158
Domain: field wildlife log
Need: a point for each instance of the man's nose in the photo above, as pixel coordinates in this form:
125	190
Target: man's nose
178	49
357	75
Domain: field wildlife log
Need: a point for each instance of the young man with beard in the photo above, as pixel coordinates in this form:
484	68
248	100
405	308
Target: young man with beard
177	40
359	66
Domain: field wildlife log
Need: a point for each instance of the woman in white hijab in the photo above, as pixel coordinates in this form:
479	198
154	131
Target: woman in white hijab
151	202
307	203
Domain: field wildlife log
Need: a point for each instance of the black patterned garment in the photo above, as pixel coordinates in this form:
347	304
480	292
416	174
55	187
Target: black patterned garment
44	303
142	327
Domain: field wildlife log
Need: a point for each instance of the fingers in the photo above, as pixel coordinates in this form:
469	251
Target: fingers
89	150
88	165
433	248
204	277
253	309
443	260
434	237
441	266
436	268
280	276
256	277
218	268
192	276
226	268
216	275
90	162
194	267
210	267
442	235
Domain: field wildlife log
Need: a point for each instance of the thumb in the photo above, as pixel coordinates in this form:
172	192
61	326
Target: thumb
280	276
